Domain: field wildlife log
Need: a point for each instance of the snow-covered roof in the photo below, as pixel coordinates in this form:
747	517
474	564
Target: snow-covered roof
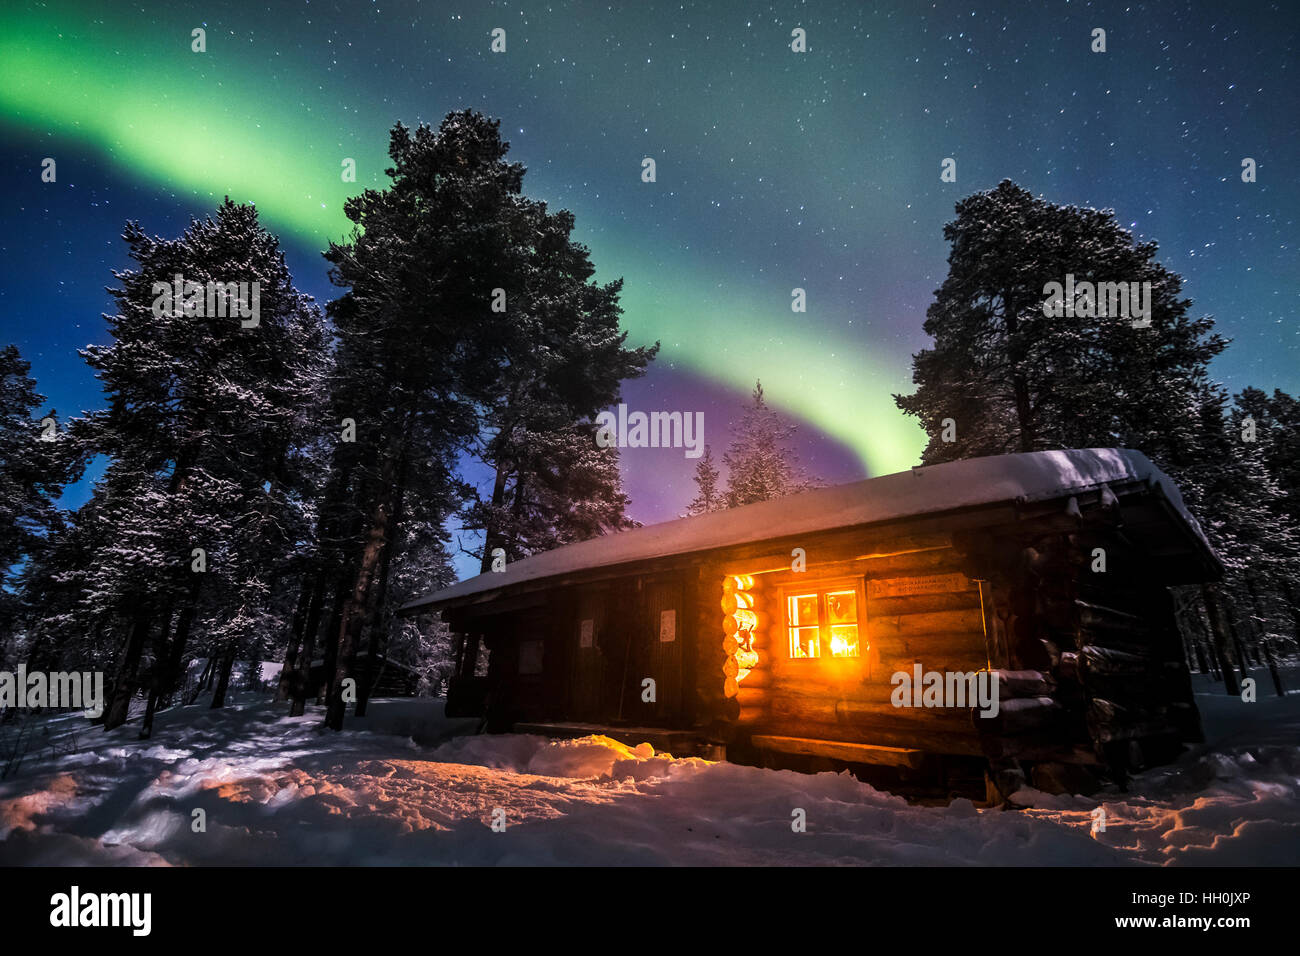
1025	477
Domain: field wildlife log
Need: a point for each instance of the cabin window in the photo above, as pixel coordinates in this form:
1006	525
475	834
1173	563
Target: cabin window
823	623
805	632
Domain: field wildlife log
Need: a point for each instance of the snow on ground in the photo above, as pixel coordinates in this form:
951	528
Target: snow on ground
408	786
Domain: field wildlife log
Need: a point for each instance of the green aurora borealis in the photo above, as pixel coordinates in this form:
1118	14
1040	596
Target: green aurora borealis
775	170
217	126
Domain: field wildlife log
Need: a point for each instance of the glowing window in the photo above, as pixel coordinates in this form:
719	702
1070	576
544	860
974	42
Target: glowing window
842	612
805	634
825	619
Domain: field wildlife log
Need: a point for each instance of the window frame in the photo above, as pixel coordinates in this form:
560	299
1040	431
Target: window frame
822	588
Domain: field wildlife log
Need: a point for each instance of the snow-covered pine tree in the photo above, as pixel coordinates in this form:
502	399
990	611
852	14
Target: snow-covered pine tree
709	495
1239	504
761	465
560	487
1276	420
33	471
416	343
1012	379
423	642
423	357
563	359
202	419
1267	589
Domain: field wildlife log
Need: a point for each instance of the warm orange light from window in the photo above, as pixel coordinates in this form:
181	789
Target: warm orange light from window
802	618
739	625
829	618
842	610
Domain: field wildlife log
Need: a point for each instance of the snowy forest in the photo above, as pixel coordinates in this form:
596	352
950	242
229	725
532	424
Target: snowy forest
275	493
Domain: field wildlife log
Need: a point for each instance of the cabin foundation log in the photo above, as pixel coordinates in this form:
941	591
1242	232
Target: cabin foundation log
839	750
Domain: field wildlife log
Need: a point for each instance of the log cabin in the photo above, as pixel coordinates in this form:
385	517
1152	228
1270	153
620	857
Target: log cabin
779	633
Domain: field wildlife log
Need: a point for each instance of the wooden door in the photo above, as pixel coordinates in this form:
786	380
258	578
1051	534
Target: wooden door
586	635
657	654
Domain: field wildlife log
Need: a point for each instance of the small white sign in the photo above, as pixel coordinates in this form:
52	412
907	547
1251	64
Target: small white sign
587	633
667	626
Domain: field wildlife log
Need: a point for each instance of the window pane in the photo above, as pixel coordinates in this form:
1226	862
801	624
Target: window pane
804	642
842	606
844	640
803	610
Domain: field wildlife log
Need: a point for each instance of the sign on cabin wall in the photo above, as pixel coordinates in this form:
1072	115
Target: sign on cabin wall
667	626
587	632
925	584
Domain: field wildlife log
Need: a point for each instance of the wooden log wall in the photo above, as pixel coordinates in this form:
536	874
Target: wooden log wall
1105	642
712	710
914	605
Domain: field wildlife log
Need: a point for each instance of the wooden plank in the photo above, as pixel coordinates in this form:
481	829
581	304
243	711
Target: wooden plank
752	696
883	732
841	750
830	710
920	584
917	563
708	681
965	621
832	547
921	603
657	653
1018	715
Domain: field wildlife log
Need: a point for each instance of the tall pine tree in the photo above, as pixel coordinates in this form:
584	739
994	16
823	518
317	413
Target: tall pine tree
467	307
199	500
761	465
1010	378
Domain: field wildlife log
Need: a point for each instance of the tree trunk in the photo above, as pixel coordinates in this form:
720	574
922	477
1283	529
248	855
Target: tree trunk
1243	656
156	678
169	676
380	595
124	682
1019	384
302	680
1293	605
330	642
223	682
1220	629
354	607
1261	636
203	678
289	670
1205	637
1198	650
492	533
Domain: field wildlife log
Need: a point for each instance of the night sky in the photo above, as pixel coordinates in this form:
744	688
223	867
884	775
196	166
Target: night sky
775	169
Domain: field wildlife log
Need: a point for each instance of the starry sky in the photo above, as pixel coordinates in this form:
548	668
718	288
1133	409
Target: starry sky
775	169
